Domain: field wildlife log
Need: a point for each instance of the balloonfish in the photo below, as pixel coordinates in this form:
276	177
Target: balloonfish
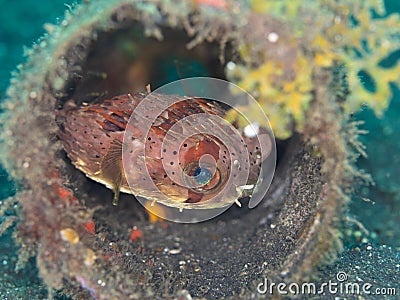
190	170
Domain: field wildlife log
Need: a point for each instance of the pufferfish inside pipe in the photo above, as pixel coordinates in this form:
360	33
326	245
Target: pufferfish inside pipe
178	151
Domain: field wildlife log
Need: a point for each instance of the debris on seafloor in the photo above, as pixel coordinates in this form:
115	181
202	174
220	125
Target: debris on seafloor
135	234
69	235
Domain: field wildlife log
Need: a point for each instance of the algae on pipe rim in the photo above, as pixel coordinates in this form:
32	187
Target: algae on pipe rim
293	231
356	37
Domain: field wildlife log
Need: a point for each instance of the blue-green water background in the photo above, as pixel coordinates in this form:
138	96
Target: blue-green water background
21	23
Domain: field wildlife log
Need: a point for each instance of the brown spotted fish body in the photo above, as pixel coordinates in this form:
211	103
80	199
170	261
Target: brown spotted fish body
93	137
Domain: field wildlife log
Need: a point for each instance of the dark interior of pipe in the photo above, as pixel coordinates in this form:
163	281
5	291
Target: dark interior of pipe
125	61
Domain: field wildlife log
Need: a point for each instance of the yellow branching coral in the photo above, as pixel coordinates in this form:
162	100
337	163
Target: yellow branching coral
305	35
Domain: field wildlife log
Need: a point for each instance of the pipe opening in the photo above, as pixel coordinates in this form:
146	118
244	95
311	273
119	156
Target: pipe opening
122	61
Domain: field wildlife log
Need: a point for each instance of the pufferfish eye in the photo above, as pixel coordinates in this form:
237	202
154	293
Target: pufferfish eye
202	175
202	178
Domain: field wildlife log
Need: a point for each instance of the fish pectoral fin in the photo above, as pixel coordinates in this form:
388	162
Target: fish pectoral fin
116	195
111	168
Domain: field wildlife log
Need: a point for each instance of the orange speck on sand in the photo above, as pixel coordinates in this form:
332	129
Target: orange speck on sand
90	226
135	234
63	193
154	218
155	211
213	3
